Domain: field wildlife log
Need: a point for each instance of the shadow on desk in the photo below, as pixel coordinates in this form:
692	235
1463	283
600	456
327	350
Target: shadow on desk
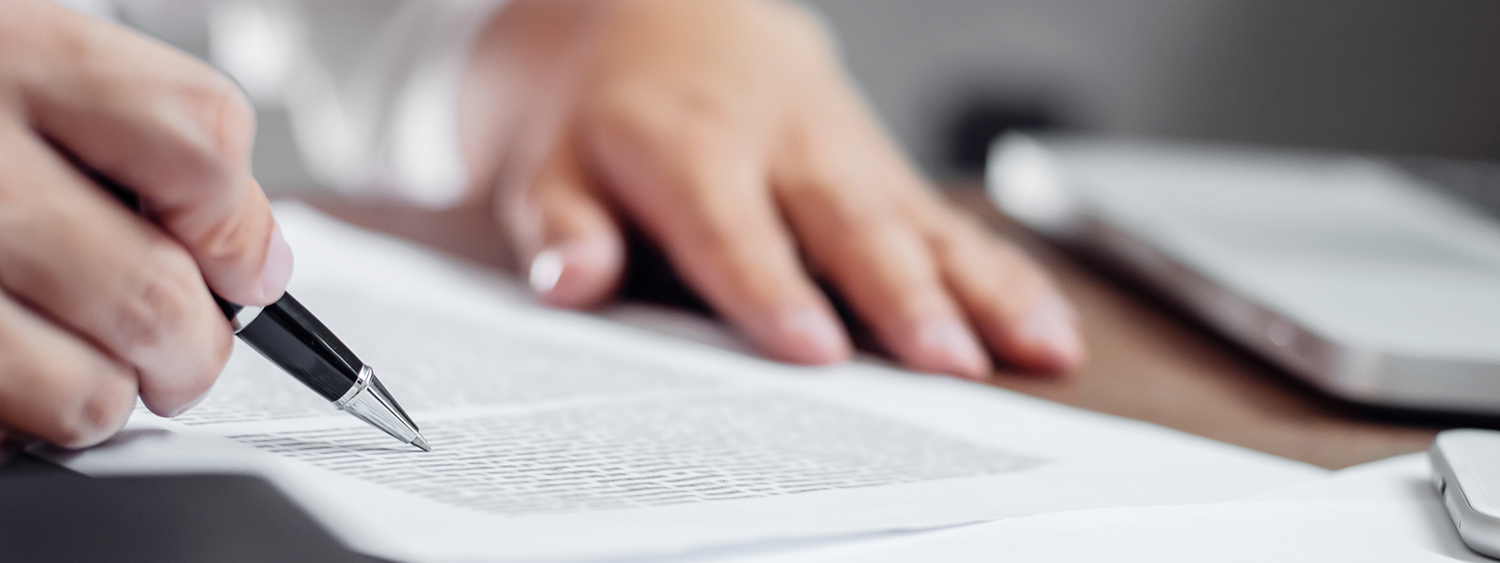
52	514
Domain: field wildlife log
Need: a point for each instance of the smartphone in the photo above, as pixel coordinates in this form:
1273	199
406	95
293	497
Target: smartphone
1466	471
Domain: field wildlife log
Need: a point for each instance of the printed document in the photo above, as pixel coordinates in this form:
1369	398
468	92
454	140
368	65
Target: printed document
566	436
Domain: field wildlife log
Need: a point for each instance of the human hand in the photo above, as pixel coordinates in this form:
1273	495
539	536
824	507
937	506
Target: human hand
727	131
98	304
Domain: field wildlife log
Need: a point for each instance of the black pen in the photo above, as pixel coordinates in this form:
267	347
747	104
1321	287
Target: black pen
293	339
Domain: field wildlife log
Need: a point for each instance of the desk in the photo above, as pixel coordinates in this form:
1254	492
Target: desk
1146	361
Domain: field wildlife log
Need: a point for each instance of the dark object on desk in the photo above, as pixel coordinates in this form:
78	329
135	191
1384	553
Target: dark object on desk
979	119
59	516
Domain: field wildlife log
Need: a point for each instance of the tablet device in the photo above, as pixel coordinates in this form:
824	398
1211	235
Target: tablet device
1346	270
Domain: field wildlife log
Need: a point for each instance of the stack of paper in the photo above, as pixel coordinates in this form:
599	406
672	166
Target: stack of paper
562	436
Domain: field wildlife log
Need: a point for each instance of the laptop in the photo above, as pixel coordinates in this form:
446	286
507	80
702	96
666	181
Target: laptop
1376	280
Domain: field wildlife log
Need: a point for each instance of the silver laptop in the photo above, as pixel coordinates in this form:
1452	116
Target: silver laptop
1367	277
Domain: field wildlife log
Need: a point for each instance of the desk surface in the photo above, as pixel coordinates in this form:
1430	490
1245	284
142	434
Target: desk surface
1146	361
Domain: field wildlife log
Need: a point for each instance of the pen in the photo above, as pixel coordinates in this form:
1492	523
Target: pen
290	336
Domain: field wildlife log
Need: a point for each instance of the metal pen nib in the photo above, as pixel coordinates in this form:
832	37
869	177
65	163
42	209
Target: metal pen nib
369	401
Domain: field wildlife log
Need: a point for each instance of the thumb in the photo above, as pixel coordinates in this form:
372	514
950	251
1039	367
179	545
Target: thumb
569	245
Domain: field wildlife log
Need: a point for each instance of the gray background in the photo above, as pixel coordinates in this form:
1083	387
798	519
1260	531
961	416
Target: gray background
1406	76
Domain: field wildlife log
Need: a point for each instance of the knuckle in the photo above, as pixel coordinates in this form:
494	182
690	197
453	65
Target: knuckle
712	238
679	116
170	391
848	217
100	412
857	218
702	115
231	117
161	304
57	387
216	143
955	236
76	401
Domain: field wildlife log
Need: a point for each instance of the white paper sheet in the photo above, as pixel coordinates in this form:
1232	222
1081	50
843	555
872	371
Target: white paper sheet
1386	511
1234	532
561	436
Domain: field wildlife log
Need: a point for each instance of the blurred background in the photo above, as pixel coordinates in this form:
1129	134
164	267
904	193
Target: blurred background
1391	76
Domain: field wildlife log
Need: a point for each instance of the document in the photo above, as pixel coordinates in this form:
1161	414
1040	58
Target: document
1385	511
564	436
1284	532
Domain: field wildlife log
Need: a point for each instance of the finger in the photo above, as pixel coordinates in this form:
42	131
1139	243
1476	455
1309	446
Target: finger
882	266
705	201
71	252
55	386
170	129
573	247
1019	312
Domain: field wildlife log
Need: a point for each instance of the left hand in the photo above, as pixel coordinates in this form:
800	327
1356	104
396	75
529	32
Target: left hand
728	132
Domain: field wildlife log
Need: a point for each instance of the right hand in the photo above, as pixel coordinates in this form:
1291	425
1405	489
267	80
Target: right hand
98	304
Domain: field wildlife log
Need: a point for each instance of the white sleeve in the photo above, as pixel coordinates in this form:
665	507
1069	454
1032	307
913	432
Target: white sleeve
363	92
369	86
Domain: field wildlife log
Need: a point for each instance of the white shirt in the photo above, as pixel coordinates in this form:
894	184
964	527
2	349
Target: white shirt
367	89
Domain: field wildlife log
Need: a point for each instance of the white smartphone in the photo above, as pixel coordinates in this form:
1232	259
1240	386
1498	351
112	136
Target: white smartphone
1466	471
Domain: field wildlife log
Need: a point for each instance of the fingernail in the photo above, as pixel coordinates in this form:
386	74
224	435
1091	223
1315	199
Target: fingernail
190	404
818	336
1053	326
957	349
546	269
278	269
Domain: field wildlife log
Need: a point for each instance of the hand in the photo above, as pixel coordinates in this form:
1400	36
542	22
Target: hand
97	303
727	131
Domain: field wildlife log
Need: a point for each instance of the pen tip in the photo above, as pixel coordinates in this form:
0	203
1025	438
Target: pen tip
421	443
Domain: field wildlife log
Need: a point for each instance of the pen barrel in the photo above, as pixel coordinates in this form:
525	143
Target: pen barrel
288	335
229	309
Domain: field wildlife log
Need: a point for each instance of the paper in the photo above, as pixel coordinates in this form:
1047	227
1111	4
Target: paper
561	436
1401	487
1235	532
1385	511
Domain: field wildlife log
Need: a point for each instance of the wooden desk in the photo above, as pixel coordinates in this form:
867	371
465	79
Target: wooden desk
1146	361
